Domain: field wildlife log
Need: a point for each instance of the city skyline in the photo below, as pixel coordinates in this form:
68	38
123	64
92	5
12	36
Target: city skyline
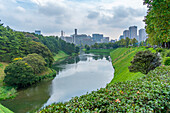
50	16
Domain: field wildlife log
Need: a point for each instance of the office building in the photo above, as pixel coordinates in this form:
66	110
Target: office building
121	37
142	35
38	32
133	32
97	37
126	34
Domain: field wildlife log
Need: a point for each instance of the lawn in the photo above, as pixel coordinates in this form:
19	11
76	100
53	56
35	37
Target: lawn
4	109
60	55
121	59
100	50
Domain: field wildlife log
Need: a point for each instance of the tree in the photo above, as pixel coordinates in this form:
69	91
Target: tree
19	74
127	41
87	47
144	61
37	62
41	49
77	49
157	21
134	42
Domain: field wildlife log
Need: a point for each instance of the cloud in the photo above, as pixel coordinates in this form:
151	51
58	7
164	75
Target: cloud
122	17
109	17
20	9
93	15
52	9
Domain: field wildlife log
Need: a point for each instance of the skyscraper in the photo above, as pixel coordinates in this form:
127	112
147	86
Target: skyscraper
133	32
121	37
126	34
142	35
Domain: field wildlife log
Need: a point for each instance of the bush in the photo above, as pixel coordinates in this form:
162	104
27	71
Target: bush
36	61
168	54
159	50
144	61
42	50
19	74
167	61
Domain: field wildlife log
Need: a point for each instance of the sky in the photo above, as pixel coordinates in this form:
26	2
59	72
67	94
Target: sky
108	17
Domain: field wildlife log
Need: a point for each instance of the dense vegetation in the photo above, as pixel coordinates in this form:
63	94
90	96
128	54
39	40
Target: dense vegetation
121	43
145	61
55	44
4	109
157	22
129	96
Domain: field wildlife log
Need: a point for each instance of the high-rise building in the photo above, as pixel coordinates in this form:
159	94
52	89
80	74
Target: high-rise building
38	32
97	37
121	37
142	35
126	34
133	32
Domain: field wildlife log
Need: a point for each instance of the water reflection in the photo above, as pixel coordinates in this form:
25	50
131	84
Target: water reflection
90	73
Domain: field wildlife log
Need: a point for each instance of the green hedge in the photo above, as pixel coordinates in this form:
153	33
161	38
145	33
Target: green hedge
167	61
147	94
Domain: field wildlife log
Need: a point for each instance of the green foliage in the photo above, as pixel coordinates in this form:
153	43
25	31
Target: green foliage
168	54
159	50
19	74
121	58
87	47
55	44
37	62
144	61
134	42
130	96
36	47
12	44
77	49
7	92
60	55
4	109
167	61
127	41
157	21
1	65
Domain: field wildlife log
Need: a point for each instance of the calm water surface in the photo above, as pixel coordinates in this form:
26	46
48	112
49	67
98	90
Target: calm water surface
76	76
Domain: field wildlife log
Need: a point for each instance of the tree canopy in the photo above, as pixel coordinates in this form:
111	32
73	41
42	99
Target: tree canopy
157	21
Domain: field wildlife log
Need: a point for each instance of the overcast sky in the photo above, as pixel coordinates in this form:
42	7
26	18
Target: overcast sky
109	17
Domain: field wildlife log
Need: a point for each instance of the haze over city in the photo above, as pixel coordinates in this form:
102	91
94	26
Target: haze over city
108	17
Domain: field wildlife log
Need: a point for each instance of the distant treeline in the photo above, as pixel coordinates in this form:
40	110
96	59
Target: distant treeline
55	44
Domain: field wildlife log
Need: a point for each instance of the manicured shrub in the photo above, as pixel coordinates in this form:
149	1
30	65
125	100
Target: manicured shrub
167	61
144	61
19	74
36	61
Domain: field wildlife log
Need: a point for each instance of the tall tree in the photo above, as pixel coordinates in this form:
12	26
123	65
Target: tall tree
157	21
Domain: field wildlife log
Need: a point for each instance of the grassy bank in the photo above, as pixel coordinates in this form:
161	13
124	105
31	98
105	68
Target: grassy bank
121	59
6	92
4	109
100	50
60	56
